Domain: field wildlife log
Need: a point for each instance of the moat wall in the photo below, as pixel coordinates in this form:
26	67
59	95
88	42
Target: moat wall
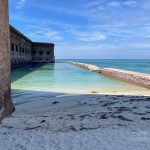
137	78
6	105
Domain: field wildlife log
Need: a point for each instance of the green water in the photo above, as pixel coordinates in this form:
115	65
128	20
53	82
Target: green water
62	77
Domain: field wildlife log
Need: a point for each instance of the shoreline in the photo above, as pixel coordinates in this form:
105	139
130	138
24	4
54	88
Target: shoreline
79	92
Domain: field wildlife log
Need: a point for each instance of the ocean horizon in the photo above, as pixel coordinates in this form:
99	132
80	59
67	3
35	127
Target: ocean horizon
139	65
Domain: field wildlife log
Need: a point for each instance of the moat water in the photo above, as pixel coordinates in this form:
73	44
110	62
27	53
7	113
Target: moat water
63	77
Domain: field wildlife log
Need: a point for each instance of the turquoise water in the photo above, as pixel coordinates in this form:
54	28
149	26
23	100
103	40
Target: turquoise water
63	77
142	65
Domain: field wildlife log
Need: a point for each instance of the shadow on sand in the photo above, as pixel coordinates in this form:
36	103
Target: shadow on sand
77	112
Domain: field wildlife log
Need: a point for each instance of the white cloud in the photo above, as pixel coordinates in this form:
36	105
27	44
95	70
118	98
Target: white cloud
59	9
130	3
102	46
113	4
48	34
93	3
146	5
20	4
90	36
43	31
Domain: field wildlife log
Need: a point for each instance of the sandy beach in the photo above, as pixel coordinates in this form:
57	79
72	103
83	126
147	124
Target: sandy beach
50	121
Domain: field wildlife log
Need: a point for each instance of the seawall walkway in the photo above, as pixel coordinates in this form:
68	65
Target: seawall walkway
137	78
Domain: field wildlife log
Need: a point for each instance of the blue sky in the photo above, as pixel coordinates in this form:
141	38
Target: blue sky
97	29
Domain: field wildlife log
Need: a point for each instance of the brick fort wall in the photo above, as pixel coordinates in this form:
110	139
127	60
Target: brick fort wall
43	52
23	50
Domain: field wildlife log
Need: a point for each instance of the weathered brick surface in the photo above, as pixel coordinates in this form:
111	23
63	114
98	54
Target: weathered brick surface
43	52
23	50
6	106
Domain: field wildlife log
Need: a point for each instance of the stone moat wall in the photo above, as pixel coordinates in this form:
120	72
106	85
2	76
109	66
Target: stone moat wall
137	78
23	50
6	105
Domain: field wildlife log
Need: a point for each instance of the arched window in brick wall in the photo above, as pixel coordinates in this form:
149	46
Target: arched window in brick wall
16	48
12	47
48	53
20	49
34	52
41	52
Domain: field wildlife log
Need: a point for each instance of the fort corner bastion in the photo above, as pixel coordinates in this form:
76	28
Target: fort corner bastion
23	50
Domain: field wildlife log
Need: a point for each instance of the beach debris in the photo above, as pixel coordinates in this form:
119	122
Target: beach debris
144	118
33	128
123	118
94	92
43	121
55	102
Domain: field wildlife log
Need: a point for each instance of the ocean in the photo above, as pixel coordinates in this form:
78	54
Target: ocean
140	65
66	78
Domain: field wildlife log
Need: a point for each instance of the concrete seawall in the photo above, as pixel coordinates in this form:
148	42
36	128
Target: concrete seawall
137	78
86	66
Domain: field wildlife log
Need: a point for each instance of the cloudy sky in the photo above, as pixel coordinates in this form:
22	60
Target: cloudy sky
97	29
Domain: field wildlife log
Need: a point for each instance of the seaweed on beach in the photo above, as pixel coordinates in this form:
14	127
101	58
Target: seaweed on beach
144	118
109	103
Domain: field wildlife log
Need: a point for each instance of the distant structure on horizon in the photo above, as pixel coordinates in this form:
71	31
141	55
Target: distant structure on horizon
23	50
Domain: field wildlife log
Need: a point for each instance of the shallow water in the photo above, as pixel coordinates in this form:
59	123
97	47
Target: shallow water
62	77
